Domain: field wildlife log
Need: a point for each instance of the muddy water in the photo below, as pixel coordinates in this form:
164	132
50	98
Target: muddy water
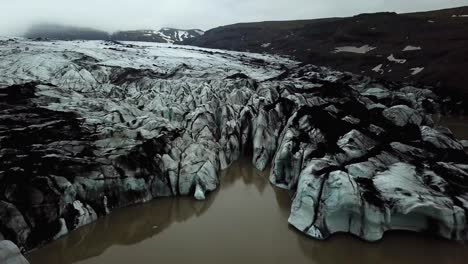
458	125
244	222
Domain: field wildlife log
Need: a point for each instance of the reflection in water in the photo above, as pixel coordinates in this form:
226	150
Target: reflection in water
244	222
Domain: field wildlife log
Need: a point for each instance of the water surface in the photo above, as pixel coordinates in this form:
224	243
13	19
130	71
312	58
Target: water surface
244	222
458	125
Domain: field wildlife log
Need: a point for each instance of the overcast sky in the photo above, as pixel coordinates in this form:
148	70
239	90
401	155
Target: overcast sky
111	15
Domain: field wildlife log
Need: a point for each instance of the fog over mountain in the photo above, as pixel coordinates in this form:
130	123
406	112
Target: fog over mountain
113	15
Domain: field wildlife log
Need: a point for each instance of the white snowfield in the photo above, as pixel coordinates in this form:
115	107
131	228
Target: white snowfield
172	35
351	49
411	48
201	32
393	59
179	34
378	69
167	38
416	70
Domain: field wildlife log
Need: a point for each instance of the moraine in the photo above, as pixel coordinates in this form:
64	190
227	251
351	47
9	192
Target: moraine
89	127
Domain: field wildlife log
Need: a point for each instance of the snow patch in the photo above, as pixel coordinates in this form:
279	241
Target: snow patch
266	45
431	21
393	59
411	48
459	15
416	70
359	50
378	69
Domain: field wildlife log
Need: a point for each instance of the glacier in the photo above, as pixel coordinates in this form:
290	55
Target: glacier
90	126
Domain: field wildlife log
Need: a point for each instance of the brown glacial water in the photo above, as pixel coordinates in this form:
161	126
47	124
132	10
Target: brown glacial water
243	222
458	125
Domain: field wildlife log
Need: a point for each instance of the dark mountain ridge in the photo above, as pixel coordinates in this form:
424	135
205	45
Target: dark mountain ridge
62	32
428	48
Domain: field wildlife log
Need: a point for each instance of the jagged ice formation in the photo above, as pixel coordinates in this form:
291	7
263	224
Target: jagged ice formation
90	126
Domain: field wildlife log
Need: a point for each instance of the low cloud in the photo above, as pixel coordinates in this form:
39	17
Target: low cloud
112	15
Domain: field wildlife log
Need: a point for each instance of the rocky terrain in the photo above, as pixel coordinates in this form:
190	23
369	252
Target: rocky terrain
428	48
90	126
60	32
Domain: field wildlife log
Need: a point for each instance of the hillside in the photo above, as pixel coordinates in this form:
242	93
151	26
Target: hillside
165	35
62	32
430	48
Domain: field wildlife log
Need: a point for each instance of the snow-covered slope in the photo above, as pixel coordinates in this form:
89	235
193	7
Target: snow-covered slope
164	35
179	35
90	126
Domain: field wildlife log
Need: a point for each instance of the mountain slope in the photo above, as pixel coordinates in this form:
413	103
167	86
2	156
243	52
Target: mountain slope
429	47
165	35
61	32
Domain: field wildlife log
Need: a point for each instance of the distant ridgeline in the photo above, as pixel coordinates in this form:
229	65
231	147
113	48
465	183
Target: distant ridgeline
60	32
165	35
427	48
